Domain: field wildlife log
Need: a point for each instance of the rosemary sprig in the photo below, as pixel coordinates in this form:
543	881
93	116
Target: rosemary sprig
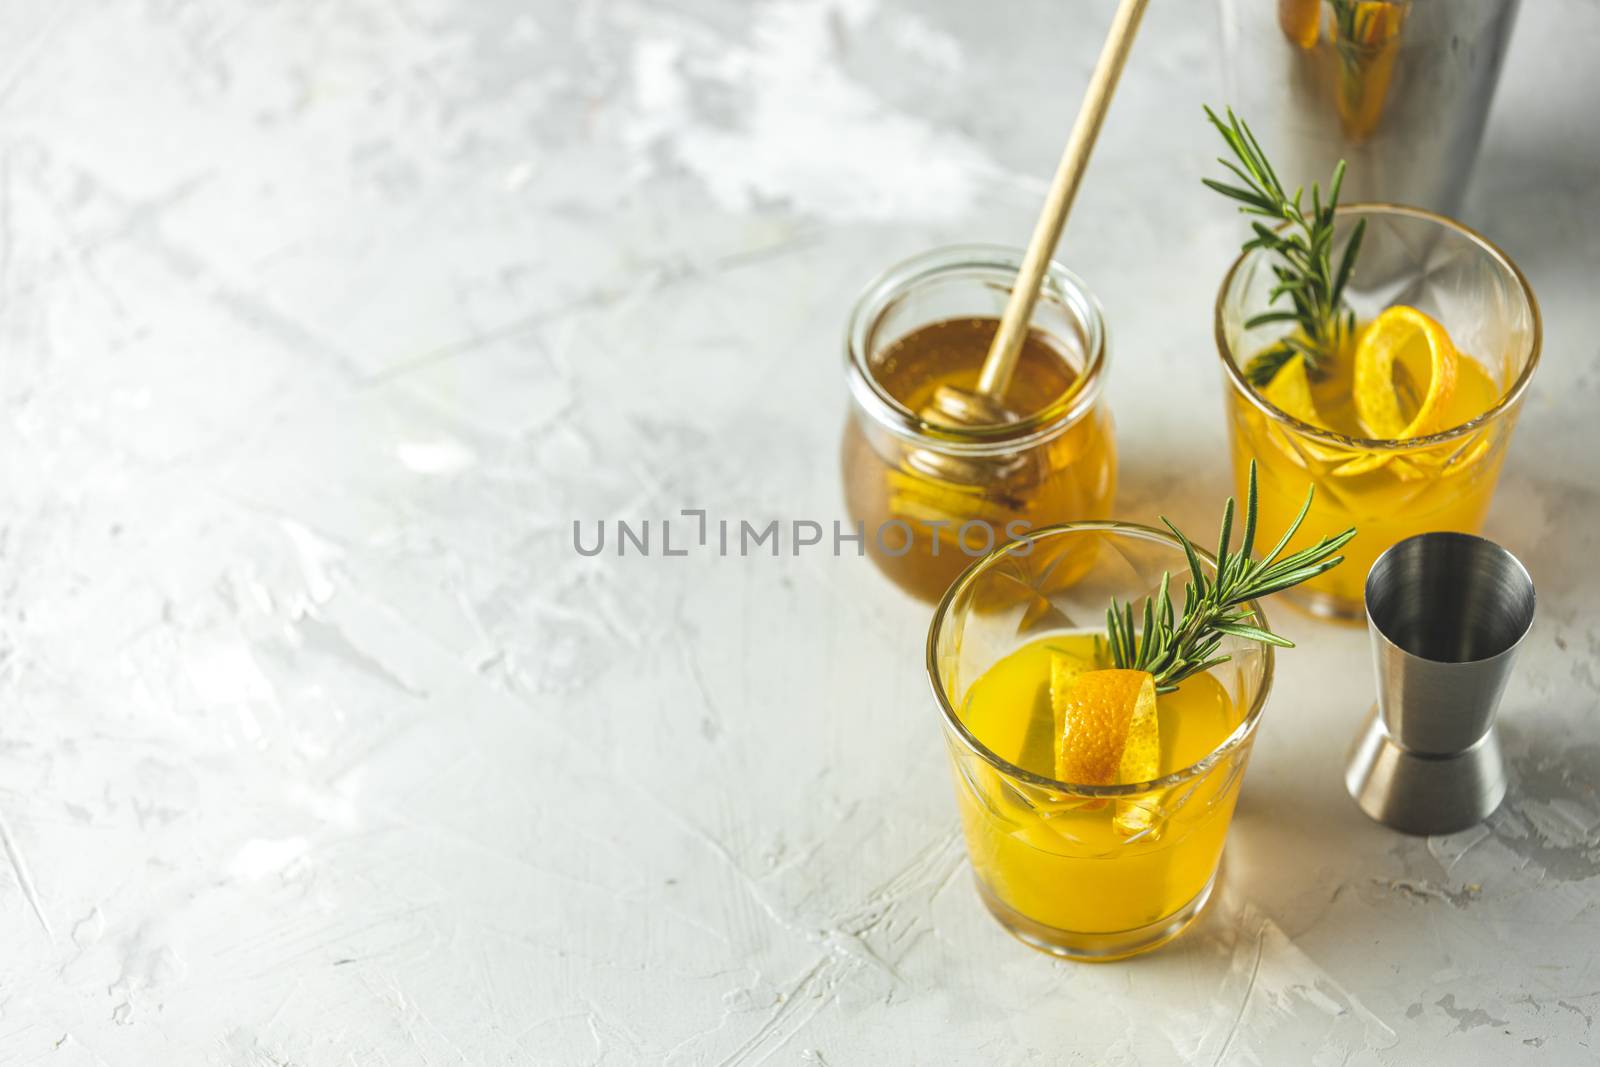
1353	35
1171	646
1303	245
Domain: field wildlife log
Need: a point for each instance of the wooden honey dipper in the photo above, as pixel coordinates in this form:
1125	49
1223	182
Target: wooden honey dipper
952	407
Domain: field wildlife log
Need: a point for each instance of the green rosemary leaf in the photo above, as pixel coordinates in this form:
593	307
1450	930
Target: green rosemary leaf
1222	542
1114	635
1302	569
1293	526
1347	263
1252	633
1335	183
1197	576
1338	541
1296	578
1248	179
1307	556
1302	242
1260	203
1263	368
1247	544
1299	348
1206	665
1174	646
1266	233
1149	633
1257	154
1268	317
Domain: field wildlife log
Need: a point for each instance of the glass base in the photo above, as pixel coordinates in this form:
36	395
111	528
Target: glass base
1095	947
1327	606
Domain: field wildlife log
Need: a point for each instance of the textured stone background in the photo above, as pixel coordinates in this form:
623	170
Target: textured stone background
320	323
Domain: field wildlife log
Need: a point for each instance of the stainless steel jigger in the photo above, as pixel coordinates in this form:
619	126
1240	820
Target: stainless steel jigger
1446	612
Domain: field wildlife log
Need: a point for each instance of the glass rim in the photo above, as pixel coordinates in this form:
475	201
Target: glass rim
1228	745
1044	424
1508	399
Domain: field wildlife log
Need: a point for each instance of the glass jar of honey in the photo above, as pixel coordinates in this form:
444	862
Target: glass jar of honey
931	495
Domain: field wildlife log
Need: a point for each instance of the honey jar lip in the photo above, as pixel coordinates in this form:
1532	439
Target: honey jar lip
1000	264
1508	399
1240	734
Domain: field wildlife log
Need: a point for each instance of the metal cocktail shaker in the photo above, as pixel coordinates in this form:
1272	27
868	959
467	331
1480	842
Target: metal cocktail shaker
1446	612
1399	89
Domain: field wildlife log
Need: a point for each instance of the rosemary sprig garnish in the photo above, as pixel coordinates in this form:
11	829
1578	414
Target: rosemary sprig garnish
1352	24
1172	647
1303	245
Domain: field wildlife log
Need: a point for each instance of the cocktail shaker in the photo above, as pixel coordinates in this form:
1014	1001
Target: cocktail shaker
1399	89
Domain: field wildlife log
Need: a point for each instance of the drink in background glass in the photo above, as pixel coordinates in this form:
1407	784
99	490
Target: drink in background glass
1389	489
932	499
1084	871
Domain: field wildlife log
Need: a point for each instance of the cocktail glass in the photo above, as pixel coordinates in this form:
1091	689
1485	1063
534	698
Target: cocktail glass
1387	489
1058	863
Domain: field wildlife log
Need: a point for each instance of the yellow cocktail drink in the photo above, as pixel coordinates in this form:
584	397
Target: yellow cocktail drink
1093	866
1388	492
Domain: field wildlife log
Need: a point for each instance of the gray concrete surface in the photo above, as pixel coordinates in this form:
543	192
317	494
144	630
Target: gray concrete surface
319	744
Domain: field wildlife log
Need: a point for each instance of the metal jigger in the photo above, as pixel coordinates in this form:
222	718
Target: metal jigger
1446	612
